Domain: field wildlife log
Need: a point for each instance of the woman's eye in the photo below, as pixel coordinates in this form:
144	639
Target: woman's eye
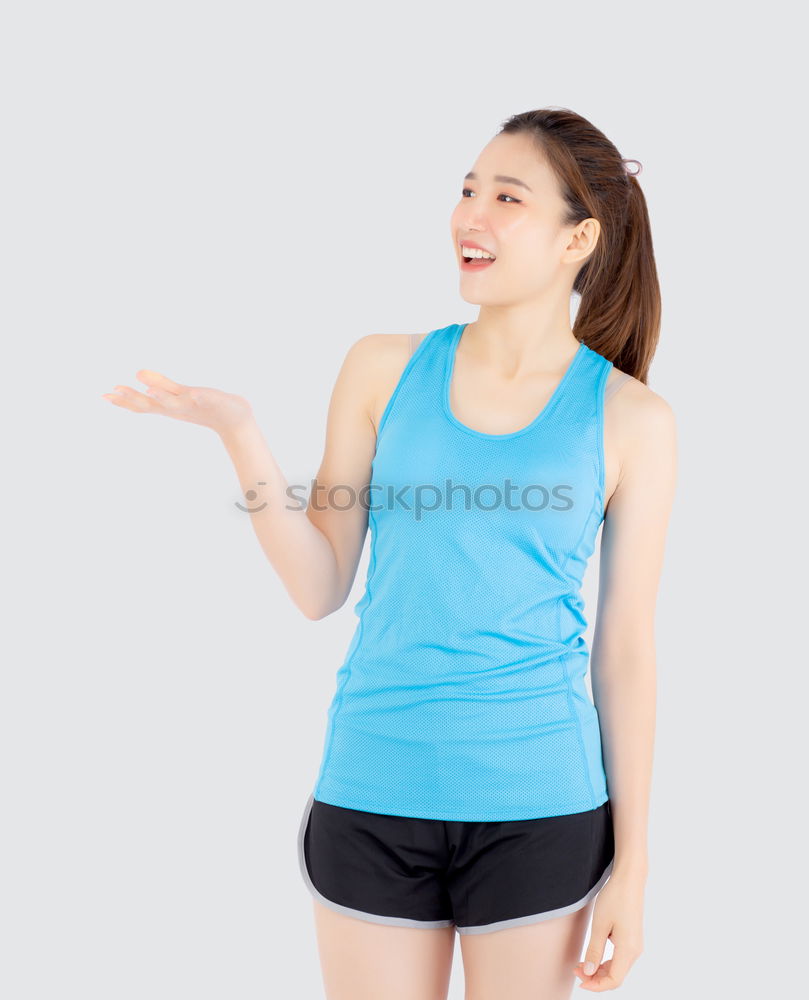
516	201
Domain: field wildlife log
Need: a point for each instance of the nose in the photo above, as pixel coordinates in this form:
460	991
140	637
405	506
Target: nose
468	221
473	219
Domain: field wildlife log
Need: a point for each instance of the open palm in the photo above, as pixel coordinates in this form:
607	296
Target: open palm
221	411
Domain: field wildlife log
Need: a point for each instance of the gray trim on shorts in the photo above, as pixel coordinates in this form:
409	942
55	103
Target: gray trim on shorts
407	922
347	910
536	918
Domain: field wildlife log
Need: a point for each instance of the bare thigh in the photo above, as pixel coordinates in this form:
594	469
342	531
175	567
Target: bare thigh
361	960
531	962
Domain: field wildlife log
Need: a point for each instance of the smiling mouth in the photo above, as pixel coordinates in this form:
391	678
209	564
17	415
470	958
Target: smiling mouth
477	262
468	258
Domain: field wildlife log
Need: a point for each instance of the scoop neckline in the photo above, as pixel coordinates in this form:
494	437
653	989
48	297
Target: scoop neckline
449	368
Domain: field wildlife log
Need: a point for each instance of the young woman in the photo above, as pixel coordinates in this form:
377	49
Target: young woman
468	782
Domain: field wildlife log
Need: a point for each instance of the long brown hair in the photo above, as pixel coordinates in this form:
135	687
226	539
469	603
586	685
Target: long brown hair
619	313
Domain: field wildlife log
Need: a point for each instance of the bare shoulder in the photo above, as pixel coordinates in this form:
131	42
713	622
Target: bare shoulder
377	361
642	422
637	404
369	363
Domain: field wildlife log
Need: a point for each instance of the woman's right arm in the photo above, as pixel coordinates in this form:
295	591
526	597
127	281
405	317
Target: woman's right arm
316	550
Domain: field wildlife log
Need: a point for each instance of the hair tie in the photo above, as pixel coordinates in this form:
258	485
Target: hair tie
632	173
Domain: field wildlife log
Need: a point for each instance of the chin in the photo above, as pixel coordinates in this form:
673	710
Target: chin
478	299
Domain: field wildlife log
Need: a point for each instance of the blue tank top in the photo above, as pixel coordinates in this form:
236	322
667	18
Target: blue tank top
462	695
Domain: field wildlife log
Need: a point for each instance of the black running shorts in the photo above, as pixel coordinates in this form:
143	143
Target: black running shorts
478	876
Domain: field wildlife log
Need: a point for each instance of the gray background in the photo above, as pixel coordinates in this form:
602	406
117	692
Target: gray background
233	196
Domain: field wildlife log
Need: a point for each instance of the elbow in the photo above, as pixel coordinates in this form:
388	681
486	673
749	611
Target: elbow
311	611
318	606
318	613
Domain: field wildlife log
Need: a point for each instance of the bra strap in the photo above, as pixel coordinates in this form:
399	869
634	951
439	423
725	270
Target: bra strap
616	385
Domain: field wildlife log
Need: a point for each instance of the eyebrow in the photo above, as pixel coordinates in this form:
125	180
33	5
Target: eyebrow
503	178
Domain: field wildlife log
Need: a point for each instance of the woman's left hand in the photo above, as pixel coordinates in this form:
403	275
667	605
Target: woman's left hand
618	915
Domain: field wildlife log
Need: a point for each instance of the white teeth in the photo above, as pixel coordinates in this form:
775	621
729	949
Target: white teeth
468	252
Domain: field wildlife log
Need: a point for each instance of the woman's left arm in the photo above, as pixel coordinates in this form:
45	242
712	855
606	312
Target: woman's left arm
623	664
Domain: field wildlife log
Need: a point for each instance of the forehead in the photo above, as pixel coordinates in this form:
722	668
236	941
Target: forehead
515	156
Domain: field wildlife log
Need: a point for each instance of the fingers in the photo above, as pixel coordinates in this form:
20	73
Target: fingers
601	979
595	949
152	378
167	399
616	918
609	975
161	396
604	978
591	971
129	399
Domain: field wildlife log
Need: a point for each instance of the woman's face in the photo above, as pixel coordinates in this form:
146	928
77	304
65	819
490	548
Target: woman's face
519	223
